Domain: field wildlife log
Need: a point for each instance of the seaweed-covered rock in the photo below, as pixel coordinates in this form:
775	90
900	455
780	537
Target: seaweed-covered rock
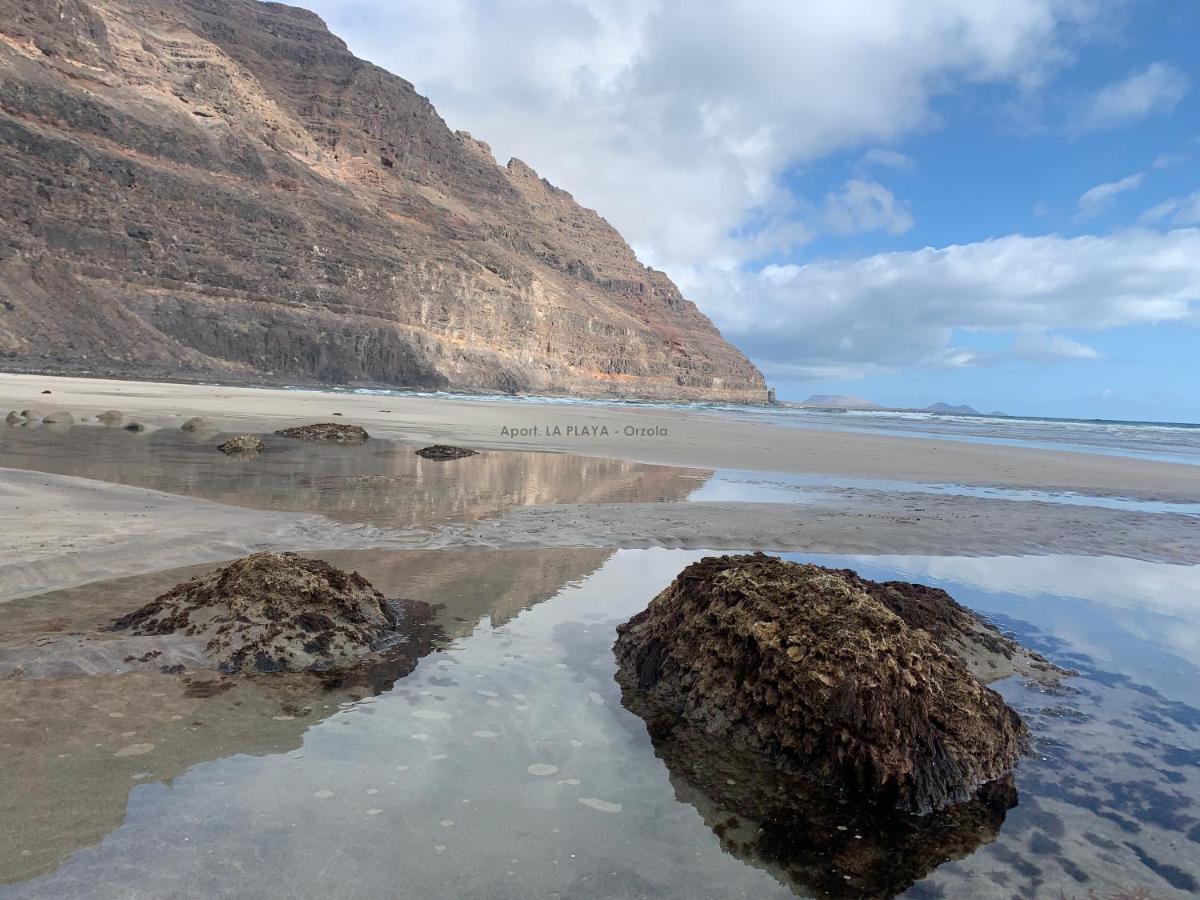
197	423
14	418
445	451
272	612
814	671
333	432
111	417
241	445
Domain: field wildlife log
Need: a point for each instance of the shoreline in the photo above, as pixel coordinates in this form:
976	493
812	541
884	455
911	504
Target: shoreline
703	439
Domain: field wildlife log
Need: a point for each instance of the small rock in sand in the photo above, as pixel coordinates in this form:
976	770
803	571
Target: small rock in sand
198	423
111	417
241	445
326	431
445	451
135	427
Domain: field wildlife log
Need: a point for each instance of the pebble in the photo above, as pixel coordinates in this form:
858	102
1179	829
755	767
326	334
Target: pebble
134	750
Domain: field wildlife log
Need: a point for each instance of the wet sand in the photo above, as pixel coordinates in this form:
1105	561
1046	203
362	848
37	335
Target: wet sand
692	439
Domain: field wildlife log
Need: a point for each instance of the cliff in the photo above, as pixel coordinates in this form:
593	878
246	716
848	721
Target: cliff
220	189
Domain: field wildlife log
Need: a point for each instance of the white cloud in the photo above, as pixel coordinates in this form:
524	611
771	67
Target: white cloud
884	158
910	309
1157	88
1096	200
1177	211
1036	345
678	120
862	206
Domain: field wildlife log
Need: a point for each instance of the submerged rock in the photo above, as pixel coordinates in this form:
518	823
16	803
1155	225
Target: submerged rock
241	445
33	414
59	417
826	675
273	612
445	451
111	417
327	431
14	418
198	423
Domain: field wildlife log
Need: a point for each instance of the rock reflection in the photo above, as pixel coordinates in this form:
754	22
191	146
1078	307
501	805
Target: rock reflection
379	482
75	746
809	841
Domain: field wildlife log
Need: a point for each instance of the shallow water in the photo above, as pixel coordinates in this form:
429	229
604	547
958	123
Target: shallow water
506	766
380	483
778	487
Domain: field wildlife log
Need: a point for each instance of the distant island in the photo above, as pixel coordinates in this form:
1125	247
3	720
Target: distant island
848	401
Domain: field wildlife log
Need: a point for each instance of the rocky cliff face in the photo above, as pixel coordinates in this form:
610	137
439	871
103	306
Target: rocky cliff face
219	188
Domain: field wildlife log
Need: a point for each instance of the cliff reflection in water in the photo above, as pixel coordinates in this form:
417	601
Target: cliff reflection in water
808	840
380	483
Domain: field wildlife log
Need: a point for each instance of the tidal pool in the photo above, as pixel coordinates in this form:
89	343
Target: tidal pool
380	483
506	765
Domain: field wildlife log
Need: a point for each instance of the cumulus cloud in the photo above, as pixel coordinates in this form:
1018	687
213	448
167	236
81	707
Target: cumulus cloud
1096	200
908	309
678	120
1157	88
862	206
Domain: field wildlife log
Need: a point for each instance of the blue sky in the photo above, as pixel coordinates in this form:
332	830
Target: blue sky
993	202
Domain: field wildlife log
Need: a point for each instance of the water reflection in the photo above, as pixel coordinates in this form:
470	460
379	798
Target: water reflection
74	747
379	483
507	766
808	840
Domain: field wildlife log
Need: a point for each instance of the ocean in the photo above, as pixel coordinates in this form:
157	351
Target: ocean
1164	441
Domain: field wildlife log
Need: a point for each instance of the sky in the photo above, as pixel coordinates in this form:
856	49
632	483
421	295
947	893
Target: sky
992	202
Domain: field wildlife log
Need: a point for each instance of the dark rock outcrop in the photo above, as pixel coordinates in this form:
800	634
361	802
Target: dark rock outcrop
332	432
825	677
272	612
445	451
207	189
241	445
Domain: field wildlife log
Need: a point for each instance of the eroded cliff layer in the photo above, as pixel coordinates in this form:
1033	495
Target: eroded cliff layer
219	188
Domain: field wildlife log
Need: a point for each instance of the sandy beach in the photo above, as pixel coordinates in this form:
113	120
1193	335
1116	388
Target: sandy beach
106	504
668	437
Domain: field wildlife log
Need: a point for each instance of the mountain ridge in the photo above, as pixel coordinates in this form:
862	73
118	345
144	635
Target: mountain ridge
220	189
